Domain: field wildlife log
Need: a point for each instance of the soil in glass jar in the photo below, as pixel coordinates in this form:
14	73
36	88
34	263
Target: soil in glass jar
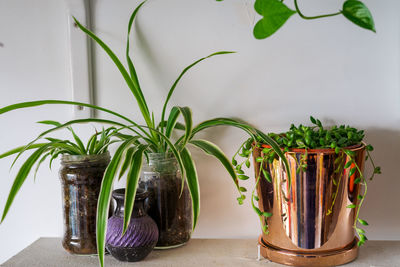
171	211
81	177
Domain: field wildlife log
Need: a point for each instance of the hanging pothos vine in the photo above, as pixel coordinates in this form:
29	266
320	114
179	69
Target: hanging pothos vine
339	138
275	13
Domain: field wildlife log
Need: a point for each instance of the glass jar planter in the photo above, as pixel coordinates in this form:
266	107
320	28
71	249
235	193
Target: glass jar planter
171	210
81	177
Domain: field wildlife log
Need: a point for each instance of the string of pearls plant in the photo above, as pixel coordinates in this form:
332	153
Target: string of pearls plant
316	136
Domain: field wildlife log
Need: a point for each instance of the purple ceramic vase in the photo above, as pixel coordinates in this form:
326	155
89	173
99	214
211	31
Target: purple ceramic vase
141	235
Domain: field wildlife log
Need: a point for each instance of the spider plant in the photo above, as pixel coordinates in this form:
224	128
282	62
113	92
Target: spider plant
53	148
138	140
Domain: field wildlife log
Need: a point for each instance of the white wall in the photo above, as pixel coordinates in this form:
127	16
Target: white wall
328	68
32	66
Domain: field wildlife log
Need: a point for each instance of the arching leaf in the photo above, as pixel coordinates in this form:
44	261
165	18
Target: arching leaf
132	181
193	183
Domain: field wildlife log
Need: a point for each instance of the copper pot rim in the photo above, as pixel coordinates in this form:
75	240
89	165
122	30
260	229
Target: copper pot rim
321	150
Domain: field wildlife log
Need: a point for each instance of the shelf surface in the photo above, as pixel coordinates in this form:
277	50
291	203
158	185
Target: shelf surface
47	252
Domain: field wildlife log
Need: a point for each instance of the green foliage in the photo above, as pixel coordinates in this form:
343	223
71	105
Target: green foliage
134	140
132	182
317	137
53	148
193	183
275	13
339	138
105	196
358	13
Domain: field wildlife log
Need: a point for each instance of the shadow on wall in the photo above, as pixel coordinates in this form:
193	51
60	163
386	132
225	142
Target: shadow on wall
144	46
381	208
218	192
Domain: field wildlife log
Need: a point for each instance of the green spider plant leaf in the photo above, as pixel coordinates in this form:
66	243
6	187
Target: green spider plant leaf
91	144
223	122
44	157
22	175
123	136
250	130
104	148
275	13
105	197
127	161
183	73
62	102
172	120
268	140
21	148
59	152
102	140
193	183
70	147
132	181
132	70
215	151
63	126
77	140
48	122
135	91
173	149
178	126
187	115
151	142
176	153
358	13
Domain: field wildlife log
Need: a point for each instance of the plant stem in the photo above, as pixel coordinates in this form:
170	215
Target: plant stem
373	165
365	193
338	183
313	17
237	152
252	198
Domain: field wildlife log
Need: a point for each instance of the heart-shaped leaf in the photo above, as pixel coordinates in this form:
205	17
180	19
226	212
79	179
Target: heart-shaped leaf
359	14
275	14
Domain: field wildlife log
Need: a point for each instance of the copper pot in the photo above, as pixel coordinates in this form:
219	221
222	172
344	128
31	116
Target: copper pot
310	224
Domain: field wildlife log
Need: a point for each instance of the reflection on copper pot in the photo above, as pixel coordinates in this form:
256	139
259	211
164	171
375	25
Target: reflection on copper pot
309	212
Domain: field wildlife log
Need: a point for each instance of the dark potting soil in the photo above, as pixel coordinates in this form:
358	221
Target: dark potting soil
81	188
171	212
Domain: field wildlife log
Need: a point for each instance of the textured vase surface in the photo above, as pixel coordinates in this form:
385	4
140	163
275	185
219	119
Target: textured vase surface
141	235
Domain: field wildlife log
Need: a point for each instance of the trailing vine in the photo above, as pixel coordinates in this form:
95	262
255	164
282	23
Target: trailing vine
338	138
275	13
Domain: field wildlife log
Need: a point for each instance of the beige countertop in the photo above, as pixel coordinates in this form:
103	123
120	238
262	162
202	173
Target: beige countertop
198	252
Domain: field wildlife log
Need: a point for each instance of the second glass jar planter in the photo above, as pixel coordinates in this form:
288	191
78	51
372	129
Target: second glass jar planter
171	211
